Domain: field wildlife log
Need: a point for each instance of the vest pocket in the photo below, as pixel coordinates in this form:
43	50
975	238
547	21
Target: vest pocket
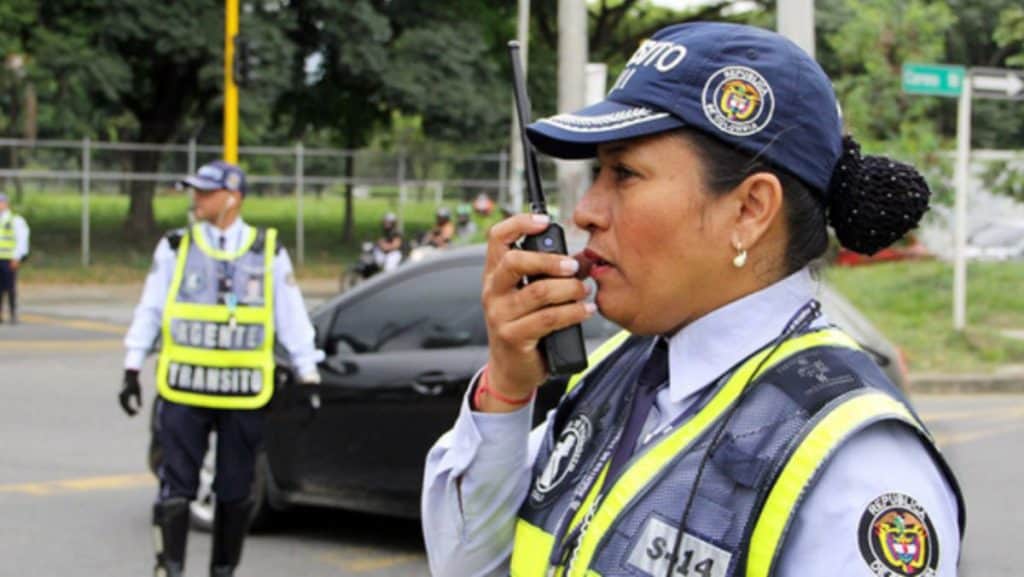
740	464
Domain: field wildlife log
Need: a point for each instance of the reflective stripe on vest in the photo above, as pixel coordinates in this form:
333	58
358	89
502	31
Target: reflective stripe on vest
236	372
599	354
7	240
533	545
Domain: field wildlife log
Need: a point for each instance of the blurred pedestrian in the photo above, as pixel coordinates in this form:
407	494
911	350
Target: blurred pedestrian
14	238
218	295
730	429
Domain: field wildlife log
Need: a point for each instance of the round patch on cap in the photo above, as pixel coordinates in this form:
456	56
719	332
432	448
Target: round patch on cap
233	181
738	101
897	537
564	459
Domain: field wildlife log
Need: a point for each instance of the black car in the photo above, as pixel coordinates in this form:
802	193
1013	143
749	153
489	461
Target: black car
401	349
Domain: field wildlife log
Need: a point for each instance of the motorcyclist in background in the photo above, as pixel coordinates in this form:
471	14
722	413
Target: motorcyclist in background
444	229
465	227
388	250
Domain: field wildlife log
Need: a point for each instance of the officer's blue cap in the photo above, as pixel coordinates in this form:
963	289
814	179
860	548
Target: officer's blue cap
746	86
216	175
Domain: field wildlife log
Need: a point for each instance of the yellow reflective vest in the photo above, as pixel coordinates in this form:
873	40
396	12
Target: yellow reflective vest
217	349
7	239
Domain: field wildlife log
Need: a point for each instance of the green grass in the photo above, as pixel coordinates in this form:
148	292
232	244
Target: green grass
55	219
911	302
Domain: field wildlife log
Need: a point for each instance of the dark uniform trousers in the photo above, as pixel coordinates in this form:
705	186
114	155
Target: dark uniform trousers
8	286
183	433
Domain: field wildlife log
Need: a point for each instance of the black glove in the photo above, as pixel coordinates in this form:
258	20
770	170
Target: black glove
130	389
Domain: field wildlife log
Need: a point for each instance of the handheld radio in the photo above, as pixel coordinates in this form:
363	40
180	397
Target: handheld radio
563	349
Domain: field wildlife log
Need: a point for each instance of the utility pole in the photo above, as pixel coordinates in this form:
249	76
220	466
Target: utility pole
230	88
795	20
515	173
573	49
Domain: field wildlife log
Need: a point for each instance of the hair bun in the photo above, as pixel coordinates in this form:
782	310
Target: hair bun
874	200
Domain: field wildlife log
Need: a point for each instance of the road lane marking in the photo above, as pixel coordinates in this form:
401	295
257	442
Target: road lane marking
364	563
81	485
948	439
79	324
50	346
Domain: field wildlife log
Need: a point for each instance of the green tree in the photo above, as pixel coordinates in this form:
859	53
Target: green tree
358	61
869	47
1010	35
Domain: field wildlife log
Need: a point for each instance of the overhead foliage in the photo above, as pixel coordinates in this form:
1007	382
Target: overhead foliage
340	72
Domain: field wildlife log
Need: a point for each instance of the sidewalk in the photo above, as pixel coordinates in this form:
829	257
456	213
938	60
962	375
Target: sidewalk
115	303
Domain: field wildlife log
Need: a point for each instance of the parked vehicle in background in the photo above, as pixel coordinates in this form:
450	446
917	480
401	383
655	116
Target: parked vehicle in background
997	241
401	350
909	248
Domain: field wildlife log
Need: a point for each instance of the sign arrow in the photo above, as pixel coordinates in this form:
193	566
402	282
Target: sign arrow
999	83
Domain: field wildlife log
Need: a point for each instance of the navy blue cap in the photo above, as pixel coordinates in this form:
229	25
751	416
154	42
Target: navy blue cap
746	86
216	175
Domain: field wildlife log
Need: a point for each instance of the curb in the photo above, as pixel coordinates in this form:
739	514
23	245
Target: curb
928	383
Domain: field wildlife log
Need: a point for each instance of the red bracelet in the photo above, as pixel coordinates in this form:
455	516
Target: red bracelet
483	385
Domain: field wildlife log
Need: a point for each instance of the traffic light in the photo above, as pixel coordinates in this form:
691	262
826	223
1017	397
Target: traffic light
244	62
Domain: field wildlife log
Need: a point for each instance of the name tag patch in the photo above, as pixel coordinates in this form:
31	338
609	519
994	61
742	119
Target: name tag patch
222	336
653	553
215	380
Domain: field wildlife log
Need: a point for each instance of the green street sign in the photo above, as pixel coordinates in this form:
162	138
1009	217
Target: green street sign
935	79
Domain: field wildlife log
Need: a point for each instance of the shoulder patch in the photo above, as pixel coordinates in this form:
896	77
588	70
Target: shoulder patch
896	537
814	377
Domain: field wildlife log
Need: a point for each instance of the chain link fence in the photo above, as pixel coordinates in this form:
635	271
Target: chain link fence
80	173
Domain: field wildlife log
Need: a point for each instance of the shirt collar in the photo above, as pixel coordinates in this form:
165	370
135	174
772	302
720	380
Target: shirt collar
232	235
706	348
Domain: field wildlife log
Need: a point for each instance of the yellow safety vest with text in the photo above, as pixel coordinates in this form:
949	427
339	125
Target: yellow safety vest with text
214	355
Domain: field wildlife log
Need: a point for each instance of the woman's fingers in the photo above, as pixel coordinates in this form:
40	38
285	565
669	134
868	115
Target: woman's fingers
540	294
527	331
516	264
502	235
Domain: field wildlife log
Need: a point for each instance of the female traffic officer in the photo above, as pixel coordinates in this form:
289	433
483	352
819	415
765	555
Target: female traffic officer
729	407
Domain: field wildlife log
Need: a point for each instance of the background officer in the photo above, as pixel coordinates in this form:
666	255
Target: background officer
14	235
218	296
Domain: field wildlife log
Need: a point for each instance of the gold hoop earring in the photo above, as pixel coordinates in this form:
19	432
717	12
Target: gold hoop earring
741	257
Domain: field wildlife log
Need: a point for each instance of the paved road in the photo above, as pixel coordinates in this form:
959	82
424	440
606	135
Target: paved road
75	494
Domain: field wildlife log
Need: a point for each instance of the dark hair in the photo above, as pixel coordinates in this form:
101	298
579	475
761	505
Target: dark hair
872	201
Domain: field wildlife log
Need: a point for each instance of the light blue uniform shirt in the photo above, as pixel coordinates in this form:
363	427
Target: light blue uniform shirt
291	321
479	473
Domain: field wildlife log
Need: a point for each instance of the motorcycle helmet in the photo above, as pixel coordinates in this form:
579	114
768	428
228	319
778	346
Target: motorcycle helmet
443	214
